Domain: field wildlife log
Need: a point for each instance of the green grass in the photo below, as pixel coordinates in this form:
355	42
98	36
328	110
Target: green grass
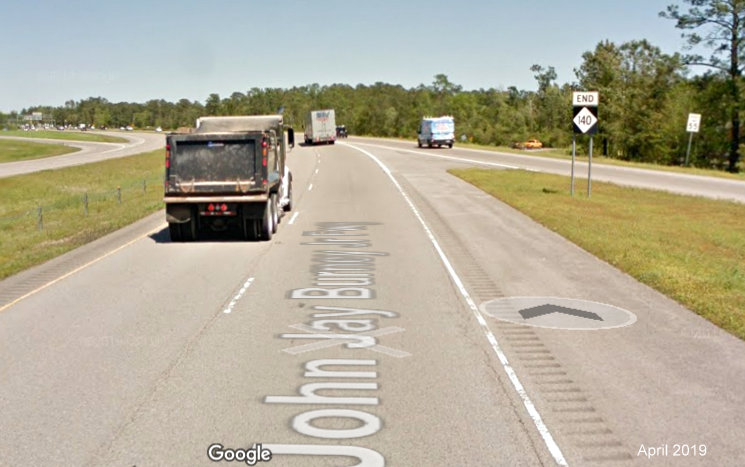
557	153
65	135
564	154
14	150
60	193
691	249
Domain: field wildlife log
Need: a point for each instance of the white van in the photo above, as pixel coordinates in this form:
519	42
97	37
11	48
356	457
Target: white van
438	131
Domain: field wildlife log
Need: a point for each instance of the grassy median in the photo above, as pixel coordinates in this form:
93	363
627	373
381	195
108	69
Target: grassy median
45	214
13	150
689	248
565	154
65	135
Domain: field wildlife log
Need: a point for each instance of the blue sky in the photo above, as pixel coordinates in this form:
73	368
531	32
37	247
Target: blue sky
134	50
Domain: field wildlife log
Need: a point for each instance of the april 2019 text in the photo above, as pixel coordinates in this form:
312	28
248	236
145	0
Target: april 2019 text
672	450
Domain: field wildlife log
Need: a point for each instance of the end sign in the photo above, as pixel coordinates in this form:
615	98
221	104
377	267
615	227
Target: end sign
585	99
585	112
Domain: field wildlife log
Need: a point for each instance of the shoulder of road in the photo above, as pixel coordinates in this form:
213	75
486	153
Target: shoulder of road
559	154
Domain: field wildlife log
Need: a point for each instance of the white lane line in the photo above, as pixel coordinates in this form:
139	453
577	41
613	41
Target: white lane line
134	140
238	296
78	269
118	148
459	159
316	171
548	439
310	187
294	216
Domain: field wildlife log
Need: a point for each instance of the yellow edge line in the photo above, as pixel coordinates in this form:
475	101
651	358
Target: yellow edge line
78	269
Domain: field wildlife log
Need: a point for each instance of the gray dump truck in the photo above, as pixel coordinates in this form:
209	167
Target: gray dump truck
228	173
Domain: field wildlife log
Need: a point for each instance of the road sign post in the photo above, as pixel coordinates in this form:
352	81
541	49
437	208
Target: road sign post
688	151
694	122
589	171
585	121
574	153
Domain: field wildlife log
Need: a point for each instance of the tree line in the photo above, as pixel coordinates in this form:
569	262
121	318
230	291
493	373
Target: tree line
645	98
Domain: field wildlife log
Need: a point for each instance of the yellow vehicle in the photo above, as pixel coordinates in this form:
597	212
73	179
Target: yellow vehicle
529	144
532	144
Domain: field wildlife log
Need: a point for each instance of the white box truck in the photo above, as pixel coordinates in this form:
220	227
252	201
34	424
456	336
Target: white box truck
320	127
439	131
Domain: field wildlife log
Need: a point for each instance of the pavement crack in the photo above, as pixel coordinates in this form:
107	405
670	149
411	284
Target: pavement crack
140	407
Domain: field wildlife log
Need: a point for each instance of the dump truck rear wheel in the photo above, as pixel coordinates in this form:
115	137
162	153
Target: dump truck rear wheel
275	212
175	230
266	222
189	230
250	229
288	207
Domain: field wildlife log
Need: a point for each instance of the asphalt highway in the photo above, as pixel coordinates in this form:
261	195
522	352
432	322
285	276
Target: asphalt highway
88	152
681	183
398	317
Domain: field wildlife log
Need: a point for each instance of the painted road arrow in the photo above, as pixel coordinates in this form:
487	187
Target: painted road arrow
543	310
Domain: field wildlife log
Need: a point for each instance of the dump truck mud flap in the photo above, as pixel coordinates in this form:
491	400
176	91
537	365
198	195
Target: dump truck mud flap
178	213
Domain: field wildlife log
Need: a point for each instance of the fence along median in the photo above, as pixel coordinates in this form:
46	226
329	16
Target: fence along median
66	209
45	214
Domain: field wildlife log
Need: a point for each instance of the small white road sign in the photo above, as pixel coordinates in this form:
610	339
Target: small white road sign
585	120
585	99
694	122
